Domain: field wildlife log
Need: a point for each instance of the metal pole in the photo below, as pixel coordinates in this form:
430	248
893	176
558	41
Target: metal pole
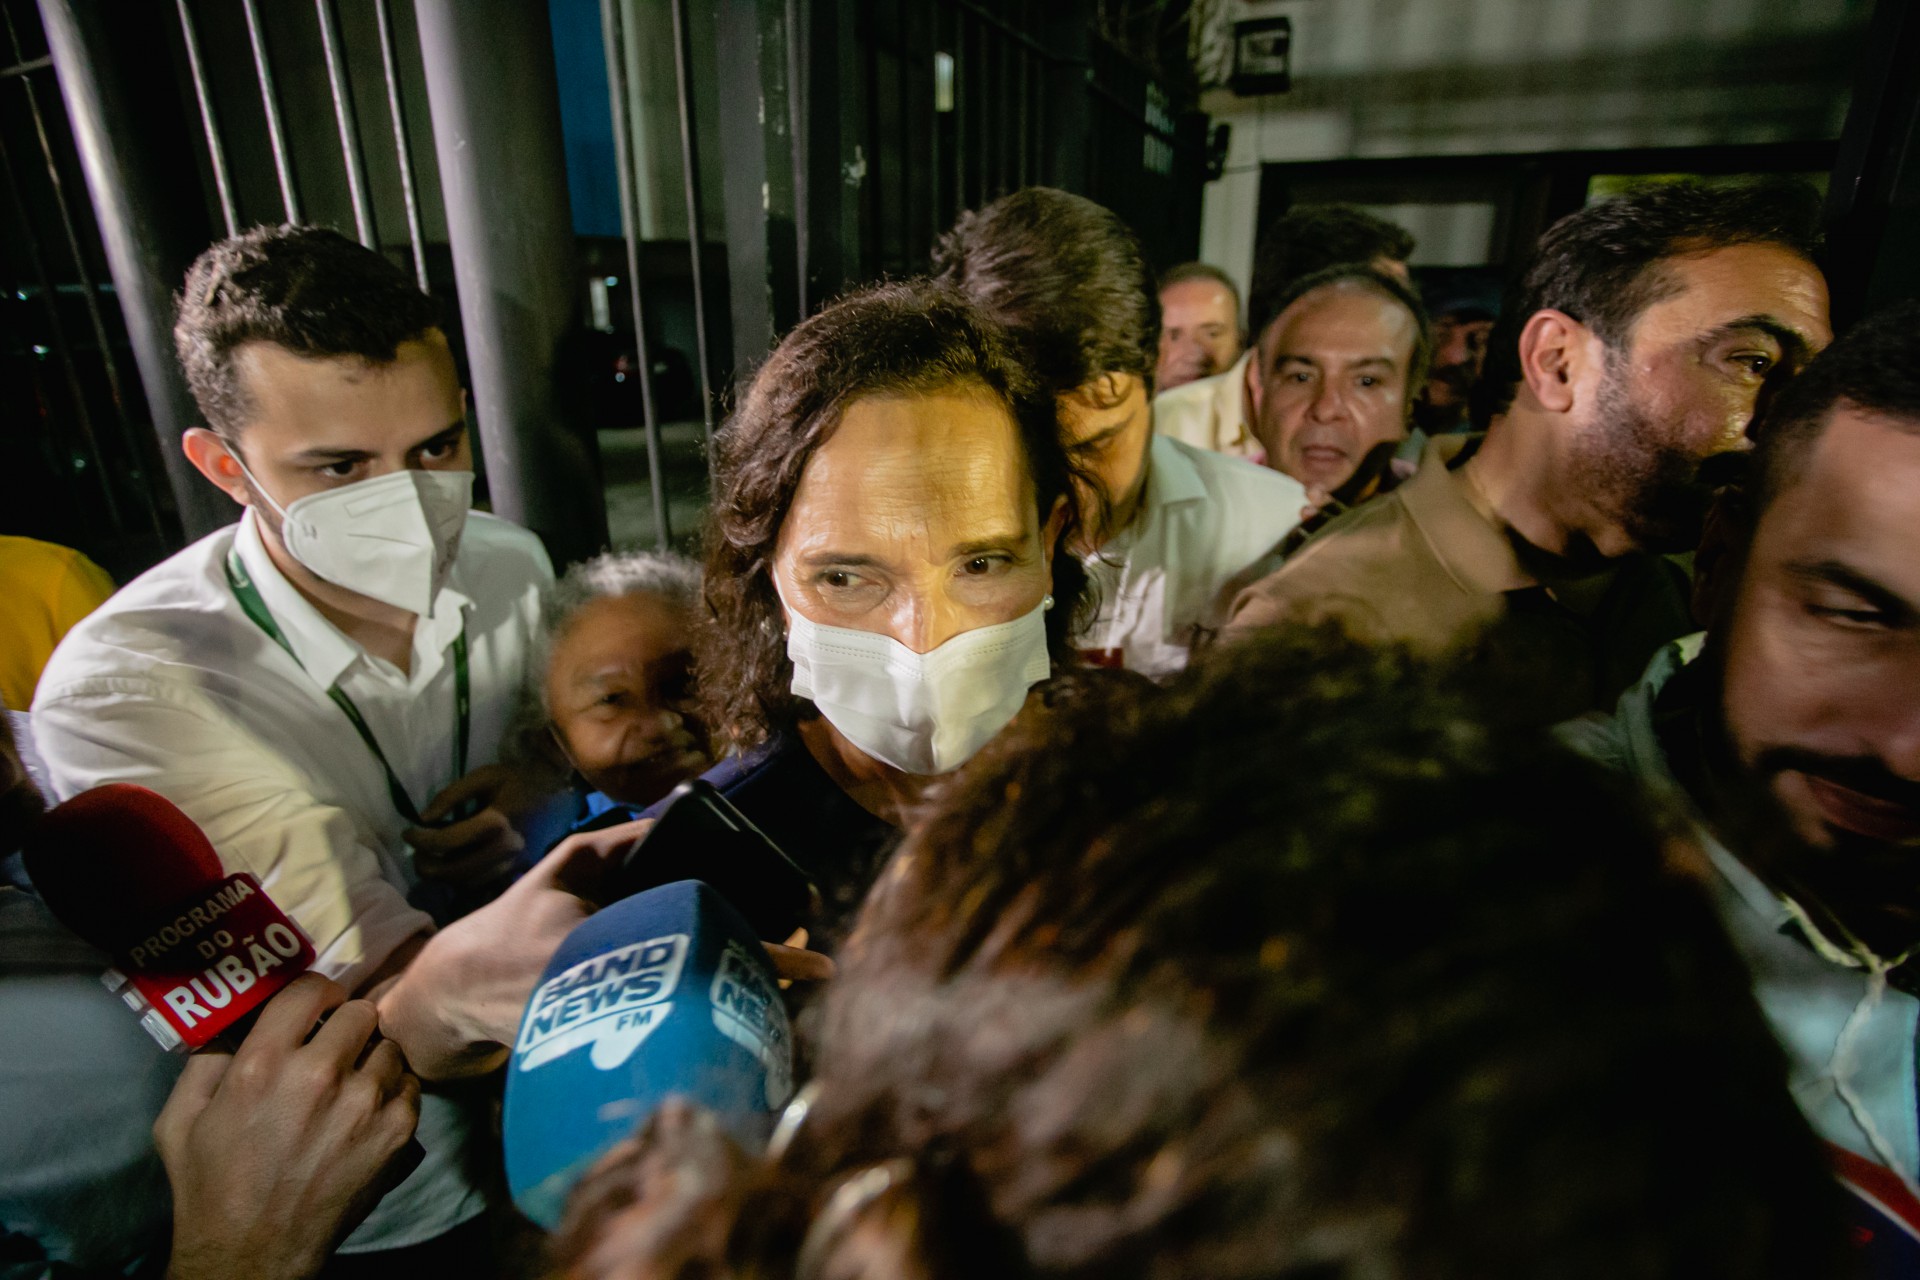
612	31
270	103
696	226
90	290
798	106
402	149
216	149
343	116
495	99
131	192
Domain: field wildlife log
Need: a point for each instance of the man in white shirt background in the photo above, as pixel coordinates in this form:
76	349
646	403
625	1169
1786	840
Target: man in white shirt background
1172	524
324	686
1200	330
1219	412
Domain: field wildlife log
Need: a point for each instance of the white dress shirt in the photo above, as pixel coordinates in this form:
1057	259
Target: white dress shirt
1211	413
1203	518
171	685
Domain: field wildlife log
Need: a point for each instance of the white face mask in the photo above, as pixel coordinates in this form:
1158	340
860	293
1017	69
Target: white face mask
393	539
922	713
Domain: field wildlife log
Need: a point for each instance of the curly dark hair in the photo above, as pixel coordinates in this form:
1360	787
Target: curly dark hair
1312	237
308	289
1313	964
1874	366
916	337
1065	276
1605	264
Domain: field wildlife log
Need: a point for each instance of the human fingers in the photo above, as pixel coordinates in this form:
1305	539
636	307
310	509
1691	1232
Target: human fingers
343	1037
456	836
796	964
199	1081
579	863
288	1018
485	783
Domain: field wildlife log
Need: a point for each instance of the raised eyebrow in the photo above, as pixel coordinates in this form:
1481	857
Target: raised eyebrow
824	559
1846	577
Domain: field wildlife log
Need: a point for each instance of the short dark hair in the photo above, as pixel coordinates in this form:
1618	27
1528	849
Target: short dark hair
308	289
1312	237
1604	265
912	338
1188	272
1380	282
1875	366
1067	279
1156	988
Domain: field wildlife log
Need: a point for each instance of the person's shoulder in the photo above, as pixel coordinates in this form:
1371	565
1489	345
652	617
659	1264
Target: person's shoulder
1238	478
1185	412
172	611
503	550
1358	568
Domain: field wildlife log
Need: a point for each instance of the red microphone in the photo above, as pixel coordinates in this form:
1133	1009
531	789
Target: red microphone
195	950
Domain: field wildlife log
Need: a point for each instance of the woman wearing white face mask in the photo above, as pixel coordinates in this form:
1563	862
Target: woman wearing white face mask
885	576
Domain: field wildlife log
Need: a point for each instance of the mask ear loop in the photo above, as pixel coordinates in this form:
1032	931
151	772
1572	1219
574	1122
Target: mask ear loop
1846	1046
233	451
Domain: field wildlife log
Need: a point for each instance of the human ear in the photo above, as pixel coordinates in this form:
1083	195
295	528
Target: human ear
213	458
1554	350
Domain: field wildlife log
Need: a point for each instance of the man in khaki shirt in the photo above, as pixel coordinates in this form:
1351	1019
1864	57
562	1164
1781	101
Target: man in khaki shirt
1648	329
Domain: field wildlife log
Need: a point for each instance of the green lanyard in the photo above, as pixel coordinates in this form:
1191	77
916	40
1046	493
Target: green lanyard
255	608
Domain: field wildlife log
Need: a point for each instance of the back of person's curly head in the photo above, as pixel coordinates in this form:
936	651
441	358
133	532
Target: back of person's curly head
906	339
1302	967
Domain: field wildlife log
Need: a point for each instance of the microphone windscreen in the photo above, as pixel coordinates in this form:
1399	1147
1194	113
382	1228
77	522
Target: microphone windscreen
664	994
196	950
106	859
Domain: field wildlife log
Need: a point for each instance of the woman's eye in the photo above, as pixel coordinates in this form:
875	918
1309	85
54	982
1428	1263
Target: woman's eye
837	578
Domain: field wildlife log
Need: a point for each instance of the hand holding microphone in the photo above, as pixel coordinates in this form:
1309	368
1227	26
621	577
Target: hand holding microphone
276	1151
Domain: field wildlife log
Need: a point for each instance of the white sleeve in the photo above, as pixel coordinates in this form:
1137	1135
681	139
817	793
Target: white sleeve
316	862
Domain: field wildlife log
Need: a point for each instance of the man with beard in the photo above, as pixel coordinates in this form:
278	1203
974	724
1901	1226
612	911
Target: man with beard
1790	736
1648	330
1463	311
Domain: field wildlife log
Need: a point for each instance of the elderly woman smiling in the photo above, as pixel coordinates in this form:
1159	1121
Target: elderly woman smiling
885	574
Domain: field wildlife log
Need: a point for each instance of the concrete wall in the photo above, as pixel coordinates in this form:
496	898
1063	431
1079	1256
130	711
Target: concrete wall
1397	78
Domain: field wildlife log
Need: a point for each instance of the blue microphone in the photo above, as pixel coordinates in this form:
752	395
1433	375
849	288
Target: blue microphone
664	994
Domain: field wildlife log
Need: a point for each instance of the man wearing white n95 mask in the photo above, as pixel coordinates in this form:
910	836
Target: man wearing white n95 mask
319	684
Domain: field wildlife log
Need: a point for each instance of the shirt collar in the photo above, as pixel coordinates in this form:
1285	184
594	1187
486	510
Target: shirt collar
323	651
1467	537
1171	476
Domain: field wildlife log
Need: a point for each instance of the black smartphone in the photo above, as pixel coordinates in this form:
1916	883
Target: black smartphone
700	835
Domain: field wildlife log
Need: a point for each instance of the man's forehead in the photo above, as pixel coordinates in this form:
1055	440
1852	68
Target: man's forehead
1856	497
416	392
1719	287
1346	319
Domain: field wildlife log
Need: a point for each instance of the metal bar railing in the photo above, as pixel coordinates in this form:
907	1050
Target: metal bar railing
351	156
90	290
612	29
690	178
203	94
270	103
57	331
26	68
798	113
402	149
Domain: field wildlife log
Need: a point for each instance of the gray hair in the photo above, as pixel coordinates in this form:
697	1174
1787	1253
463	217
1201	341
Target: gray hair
664	575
